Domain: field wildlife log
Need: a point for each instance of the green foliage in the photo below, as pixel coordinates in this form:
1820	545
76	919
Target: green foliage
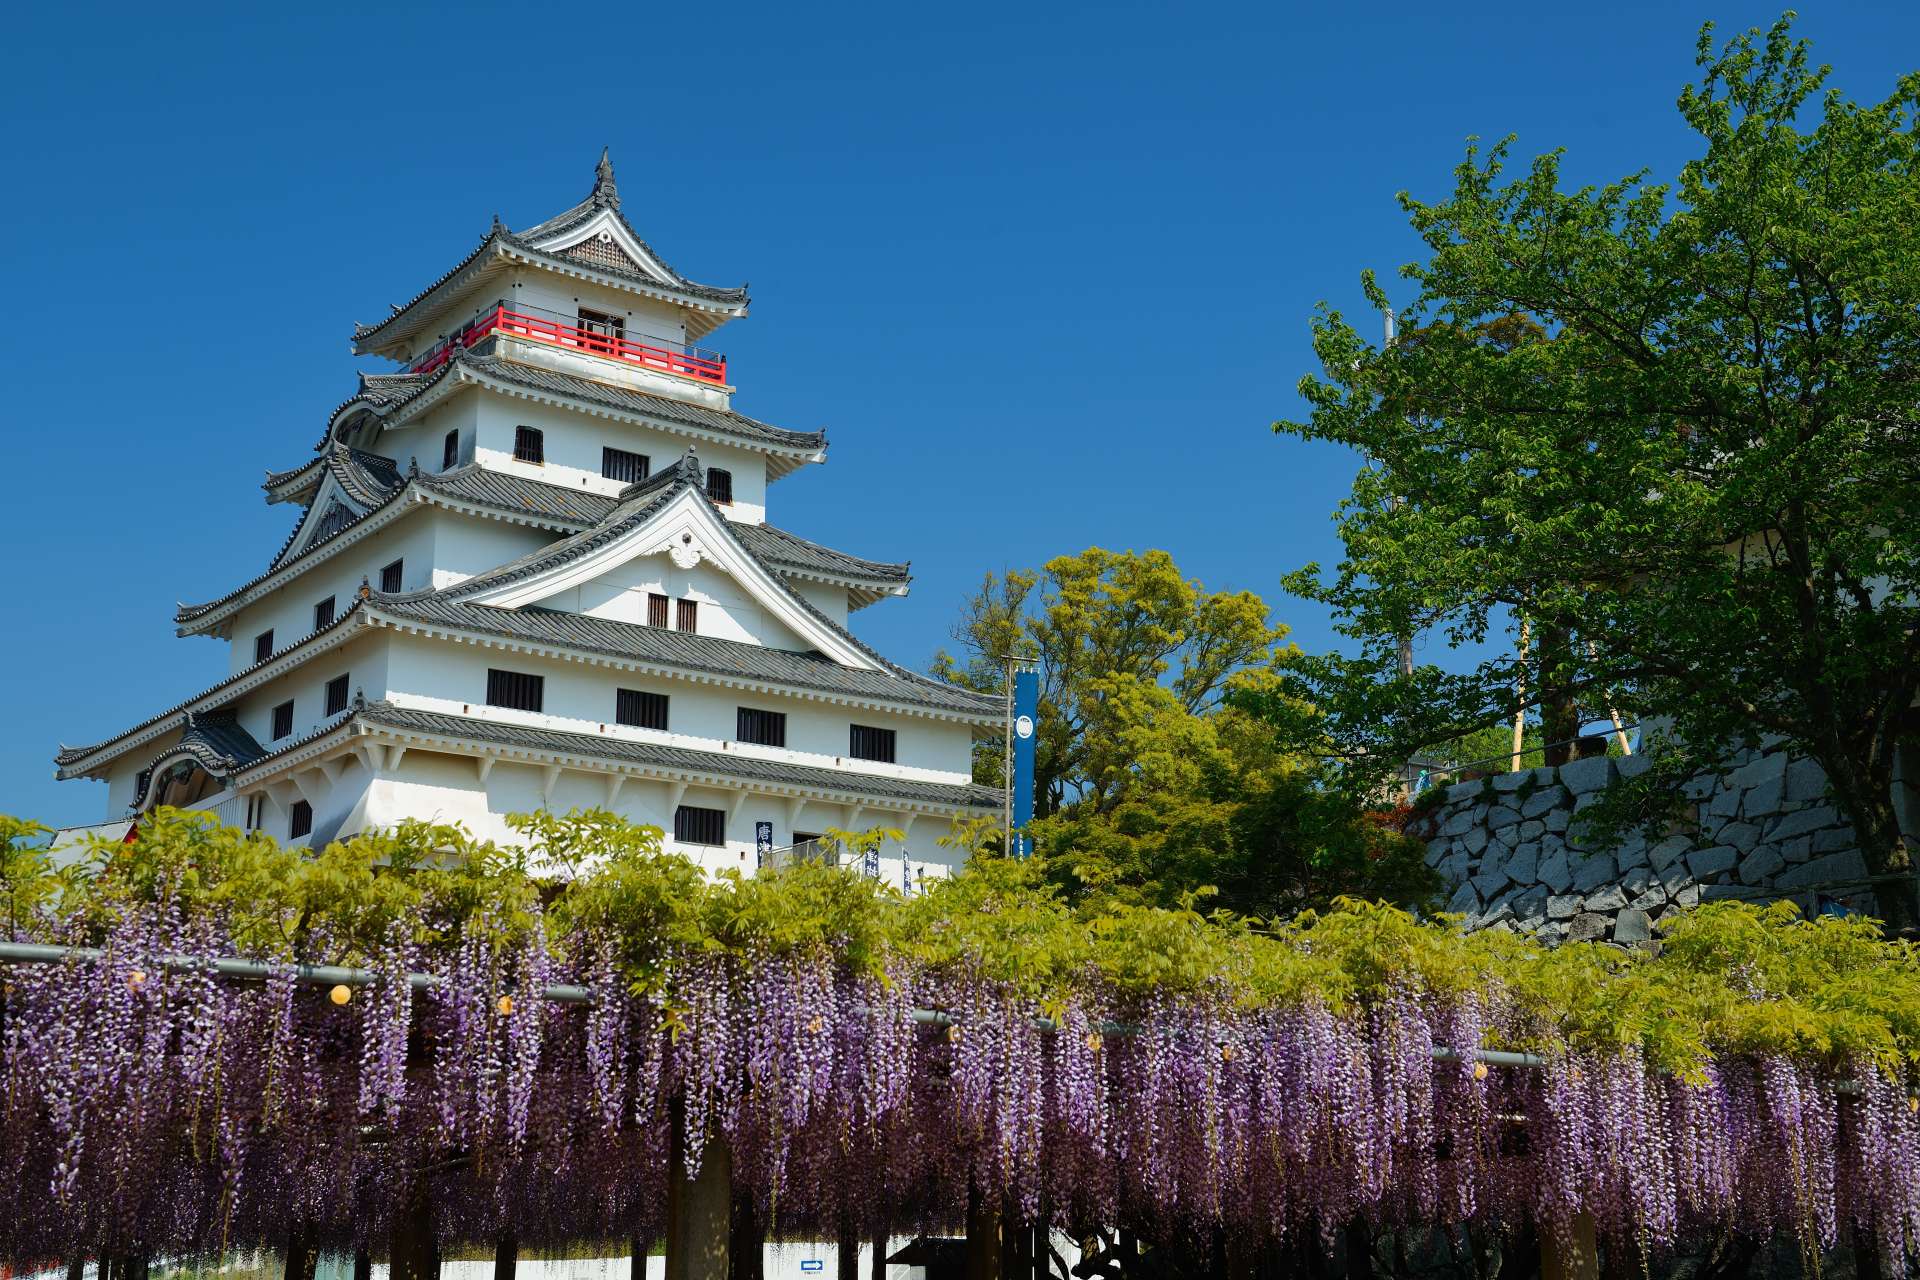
1668	426
1730	978
26	872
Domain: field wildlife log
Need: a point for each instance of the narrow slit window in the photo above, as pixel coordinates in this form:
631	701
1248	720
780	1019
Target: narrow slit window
283	720
390	576
515	690
763	728
865	742
323	614
699	826
263	645
720	486
529	445
640	709
627	468
300	820
450	450
656	610
687	615
337	695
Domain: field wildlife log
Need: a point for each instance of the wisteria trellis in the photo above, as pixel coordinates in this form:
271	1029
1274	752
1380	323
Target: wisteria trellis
154	1107
168	1110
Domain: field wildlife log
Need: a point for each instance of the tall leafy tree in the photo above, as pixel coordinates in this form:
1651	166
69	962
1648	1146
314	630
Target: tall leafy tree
1672	426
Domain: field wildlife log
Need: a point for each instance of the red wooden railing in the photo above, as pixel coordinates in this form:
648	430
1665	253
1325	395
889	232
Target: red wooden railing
703	366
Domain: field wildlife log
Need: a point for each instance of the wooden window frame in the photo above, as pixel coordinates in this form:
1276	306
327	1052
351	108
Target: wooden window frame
614	460
393	576
530	445
323	613
511	690
770	726
450	450
339	693
658	612
720	485
299	820
263	646
282	721
713	823
686	616
641	708
883	746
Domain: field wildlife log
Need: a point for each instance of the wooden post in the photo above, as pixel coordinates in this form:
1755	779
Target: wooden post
747	1251
879	1270
983	1237
699	1215
846	1252
637	1266
362	1264
411	1251
303	1256
1581	1261
506	1256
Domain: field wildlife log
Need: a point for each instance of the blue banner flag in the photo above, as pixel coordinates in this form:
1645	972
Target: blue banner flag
1026	717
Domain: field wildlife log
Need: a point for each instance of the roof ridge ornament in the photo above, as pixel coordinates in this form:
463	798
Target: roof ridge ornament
690	466
605	194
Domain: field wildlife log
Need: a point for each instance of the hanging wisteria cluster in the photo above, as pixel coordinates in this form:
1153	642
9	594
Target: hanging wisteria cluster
150	1104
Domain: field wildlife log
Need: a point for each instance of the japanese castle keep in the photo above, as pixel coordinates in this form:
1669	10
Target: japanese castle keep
534	569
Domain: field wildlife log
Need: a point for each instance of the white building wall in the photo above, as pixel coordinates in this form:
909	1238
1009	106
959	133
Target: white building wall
437	548
580	698
726	610
829	600
572	442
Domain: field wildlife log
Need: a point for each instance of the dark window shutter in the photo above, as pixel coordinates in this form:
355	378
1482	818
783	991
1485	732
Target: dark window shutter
687	615
390	576
864	742
300	821
765	728
263	646
529	445
337	695
699	826
323	614
515	689
627	468
641	709
283	719
720	485
450	451
656	610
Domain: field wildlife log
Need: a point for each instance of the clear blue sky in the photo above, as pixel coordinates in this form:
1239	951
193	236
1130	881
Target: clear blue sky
1043	271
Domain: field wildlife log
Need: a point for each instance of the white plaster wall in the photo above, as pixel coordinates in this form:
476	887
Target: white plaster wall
363	661
580	698
726	610
829	600
573	440
439	548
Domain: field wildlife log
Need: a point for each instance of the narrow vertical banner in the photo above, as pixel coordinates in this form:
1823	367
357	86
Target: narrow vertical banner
762	843
1026	713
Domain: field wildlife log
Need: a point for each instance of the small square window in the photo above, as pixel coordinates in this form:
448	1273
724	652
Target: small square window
283	719
686	615
529	445
337	695
323	614
656	610
391	575
300	821
764	728
720	485
627	468
515	690
699	826
864	742
263	646
640	709
450	450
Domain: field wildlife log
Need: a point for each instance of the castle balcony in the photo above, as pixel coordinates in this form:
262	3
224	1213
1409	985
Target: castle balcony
586	334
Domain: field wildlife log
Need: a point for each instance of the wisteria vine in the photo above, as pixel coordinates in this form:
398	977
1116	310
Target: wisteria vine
151	1105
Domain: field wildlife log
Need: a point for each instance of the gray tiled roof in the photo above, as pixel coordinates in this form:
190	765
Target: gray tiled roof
662	409
777	546
216	740
679	759
604	196
553	503
680	650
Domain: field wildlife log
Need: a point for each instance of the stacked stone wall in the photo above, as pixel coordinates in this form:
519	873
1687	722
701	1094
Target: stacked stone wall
1513	853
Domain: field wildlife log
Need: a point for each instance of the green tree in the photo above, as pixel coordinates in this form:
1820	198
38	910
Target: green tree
1128	652
1149	789
1694	467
